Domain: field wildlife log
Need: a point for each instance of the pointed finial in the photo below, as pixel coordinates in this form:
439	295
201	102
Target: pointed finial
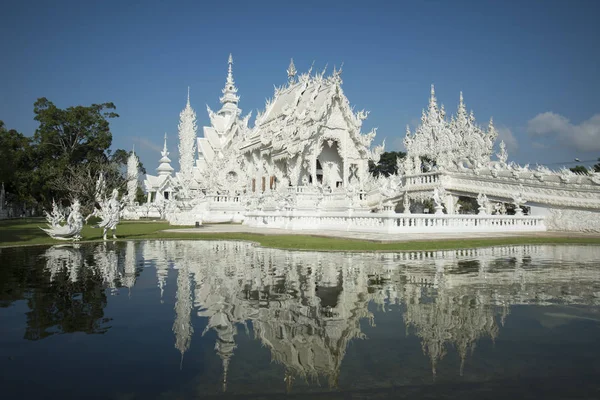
433	108
311	68
230	70
461	98
324	69
291	71
165	145
188	98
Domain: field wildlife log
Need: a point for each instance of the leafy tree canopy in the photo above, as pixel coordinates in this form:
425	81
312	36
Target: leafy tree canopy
580	169
15	161
74	134
387	164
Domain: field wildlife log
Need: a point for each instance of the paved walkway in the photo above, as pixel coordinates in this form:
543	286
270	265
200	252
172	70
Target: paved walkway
377	237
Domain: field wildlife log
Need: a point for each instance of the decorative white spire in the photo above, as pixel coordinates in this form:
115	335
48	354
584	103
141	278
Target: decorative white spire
164	151
164	167
187	146
132	177
230	70
433	108
230	98
291	71
462	116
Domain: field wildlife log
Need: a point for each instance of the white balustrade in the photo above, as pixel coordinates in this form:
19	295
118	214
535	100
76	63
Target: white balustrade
393	223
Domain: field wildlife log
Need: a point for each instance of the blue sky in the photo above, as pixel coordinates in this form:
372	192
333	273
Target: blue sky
532	65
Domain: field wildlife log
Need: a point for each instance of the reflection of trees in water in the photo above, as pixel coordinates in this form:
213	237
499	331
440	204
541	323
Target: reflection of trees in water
306	307
66	292
70	299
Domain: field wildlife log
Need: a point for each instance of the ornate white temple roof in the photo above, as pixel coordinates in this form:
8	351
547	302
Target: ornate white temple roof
300	108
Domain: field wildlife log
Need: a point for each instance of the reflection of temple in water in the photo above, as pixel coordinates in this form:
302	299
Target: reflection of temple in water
305	307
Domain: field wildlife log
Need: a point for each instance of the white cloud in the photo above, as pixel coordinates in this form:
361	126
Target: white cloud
504	133
582	137
145	143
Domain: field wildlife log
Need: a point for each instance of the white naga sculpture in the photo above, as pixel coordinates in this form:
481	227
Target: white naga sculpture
71	230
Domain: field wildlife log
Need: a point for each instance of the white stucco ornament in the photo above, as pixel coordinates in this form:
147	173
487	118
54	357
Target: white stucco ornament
108	208
438	199
483	202
61	229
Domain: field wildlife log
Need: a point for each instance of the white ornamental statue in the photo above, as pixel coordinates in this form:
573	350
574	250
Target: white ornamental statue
109	212
71	230
56	217
518	201
482	200
499	209
438	199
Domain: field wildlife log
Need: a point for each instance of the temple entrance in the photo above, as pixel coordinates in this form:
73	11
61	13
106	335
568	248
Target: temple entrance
330	165
319	173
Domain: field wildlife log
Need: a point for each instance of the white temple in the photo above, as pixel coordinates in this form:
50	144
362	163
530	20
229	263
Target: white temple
305	165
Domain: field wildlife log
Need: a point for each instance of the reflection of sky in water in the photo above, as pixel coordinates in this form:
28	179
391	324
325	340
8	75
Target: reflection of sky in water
249	320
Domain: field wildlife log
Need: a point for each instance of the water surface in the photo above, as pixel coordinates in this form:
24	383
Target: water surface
196	319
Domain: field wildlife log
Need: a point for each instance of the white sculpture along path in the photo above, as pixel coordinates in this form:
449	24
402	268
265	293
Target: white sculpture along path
305	164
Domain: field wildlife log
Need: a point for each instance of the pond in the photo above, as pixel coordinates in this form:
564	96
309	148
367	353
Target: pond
195	319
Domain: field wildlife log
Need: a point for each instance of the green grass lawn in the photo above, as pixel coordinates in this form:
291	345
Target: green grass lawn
18	232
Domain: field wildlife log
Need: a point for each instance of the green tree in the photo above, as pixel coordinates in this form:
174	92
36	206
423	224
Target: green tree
580	169
597	166
65	140
387	164
15	163
74	134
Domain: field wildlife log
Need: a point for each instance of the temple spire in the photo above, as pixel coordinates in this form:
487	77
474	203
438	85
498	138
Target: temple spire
291	71
433	113
230	98
432	99
164	168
